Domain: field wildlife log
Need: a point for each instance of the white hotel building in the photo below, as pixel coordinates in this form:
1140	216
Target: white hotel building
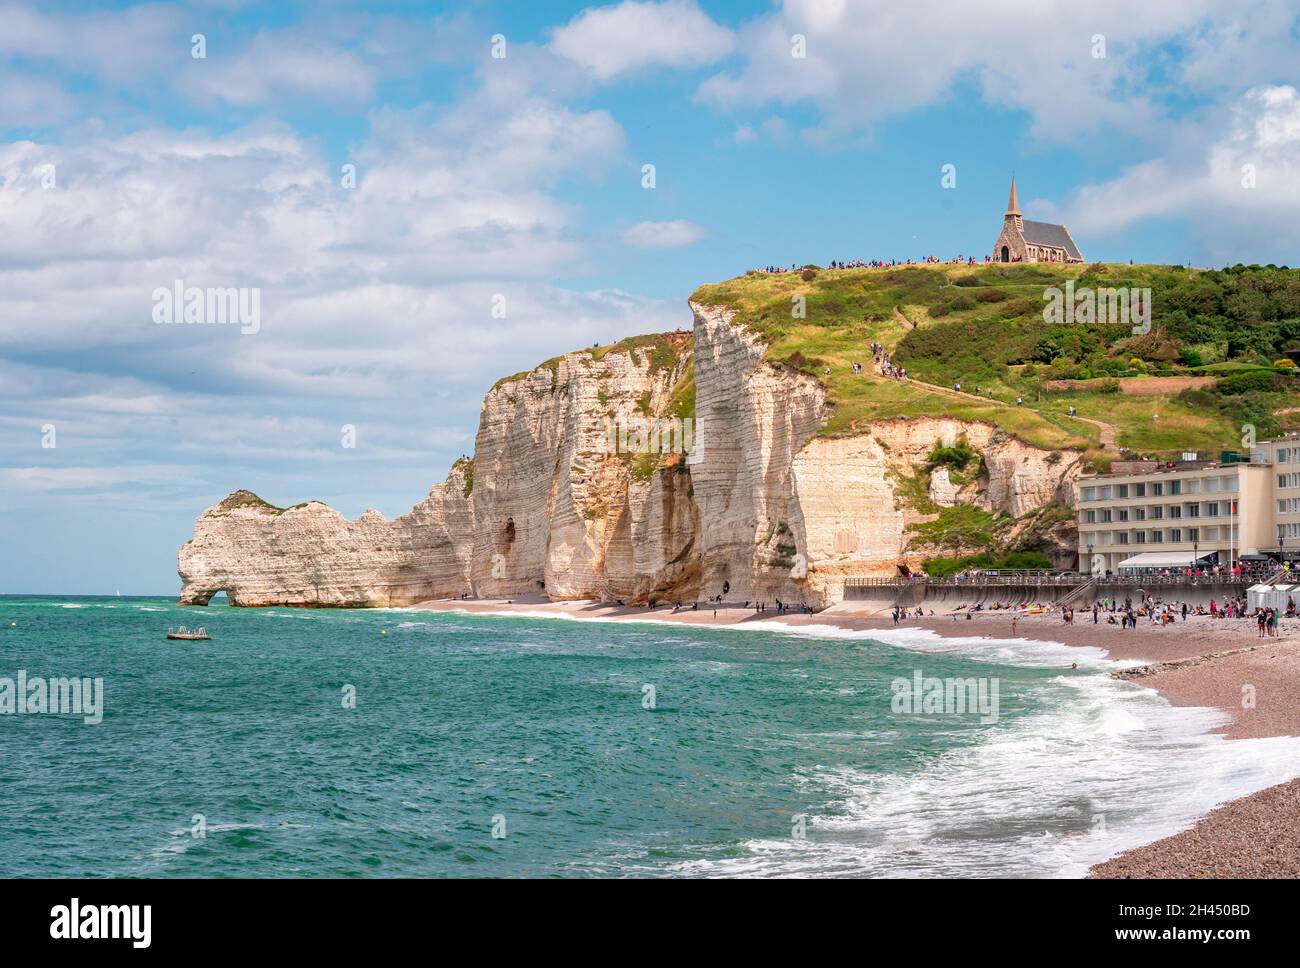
1147	514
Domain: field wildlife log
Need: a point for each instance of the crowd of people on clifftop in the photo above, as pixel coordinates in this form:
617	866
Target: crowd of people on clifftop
960	260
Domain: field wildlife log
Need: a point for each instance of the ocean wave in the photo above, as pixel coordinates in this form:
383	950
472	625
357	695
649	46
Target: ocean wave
1048	795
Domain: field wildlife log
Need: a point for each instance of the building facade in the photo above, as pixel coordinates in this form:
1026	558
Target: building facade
1023	240
1153	515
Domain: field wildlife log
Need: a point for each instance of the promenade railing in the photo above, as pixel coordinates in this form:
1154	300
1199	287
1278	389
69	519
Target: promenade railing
1052	581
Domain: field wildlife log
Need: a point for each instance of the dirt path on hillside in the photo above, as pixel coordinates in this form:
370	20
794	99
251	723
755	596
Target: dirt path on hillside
1106	432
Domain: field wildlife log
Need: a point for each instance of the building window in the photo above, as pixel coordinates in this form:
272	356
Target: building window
1089	517
1123	490
1175	487
1122	514
1157	537
1175	511
1157	489
1139	490
1176	534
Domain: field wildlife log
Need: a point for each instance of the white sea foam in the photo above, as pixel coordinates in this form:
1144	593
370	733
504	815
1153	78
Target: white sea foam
1021	652
1110	766
1047	796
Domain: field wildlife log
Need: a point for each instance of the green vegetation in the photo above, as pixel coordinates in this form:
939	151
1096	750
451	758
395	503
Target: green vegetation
681	403
467	465
984	326
660	350
960	528
1021	560
956	457
246	499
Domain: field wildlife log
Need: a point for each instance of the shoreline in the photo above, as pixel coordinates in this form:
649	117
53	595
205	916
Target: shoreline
1203	662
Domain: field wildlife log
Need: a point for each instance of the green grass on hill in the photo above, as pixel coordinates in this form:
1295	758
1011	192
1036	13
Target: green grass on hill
984	325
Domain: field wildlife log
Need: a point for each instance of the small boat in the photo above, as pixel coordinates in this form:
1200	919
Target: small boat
189	635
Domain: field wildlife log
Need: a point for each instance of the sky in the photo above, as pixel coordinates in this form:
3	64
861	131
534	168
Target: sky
426	197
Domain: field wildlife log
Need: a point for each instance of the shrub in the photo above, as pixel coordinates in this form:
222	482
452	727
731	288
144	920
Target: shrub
808	274
943	567
1238	383
1284	364
958	456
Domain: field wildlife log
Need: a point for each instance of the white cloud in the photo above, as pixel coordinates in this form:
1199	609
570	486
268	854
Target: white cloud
612	41
278	64
1204	180
867	60
376	301
663	235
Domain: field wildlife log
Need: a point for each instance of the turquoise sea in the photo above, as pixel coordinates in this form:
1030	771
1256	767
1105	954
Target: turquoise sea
537	730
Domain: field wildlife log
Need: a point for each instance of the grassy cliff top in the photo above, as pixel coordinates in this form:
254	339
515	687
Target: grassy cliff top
1208	365
662	350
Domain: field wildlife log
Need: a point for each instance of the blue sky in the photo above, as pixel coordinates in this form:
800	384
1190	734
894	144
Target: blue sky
521	177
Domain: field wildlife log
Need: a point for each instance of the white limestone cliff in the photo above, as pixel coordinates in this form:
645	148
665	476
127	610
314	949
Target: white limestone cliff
763	506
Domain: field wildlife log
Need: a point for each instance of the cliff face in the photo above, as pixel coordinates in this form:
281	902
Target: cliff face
558	507
548	505
311	555
754	417
855	515
552	504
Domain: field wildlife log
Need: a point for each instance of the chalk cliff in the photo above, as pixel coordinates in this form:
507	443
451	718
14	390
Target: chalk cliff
750	495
